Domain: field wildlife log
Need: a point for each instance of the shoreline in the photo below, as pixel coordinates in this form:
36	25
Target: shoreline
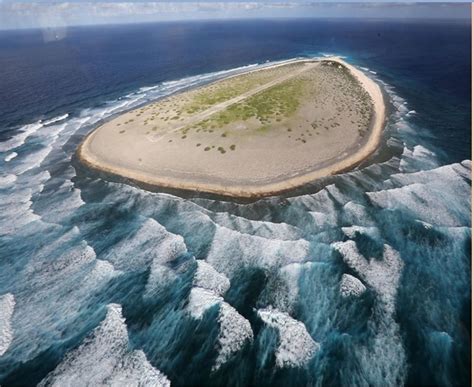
255	190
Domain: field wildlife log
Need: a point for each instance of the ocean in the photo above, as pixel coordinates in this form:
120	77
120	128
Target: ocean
363	278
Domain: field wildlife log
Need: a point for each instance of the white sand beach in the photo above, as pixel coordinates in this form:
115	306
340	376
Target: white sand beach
250	135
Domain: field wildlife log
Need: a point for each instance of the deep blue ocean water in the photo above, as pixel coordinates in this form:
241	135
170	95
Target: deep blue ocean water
106	282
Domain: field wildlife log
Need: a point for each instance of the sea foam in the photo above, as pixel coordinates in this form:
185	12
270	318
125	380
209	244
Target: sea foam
7	305
296	347
104	358
235	331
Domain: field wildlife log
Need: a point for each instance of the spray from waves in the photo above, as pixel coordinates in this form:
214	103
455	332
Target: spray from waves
269	298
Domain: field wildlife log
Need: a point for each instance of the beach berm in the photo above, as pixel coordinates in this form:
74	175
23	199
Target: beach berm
250	135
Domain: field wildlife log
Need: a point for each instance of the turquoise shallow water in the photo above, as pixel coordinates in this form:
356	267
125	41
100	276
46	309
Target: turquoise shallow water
360	279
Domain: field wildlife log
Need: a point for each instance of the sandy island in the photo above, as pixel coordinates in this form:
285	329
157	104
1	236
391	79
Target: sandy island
250	135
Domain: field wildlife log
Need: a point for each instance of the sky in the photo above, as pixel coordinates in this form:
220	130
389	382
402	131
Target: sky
47	14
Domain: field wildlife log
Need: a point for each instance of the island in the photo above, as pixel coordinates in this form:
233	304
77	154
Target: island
250	135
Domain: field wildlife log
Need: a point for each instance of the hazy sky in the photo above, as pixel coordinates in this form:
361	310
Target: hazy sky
45	14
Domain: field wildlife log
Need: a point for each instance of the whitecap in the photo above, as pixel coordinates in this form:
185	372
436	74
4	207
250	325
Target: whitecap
265	229
7	181
296	347
7	305
20	138
200	300
208	278
383	357
426	202
150	242
32	160
10	156
56	119
104	358
357	214
231	250
382	275
168	248
15	209
352	231
351	286
234	332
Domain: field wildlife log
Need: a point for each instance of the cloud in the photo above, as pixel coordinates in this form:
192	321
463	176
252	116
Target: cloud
76	12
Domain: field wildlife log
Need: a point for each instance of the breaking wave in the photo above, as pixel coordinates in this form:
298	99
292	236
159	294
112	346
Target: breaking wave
369	269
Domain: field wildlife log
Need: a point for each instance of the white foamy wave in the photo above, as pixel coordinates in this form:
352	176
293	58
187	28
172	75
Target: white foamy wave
352	231
32	160
269	230
296	346
331	55
15	210
20	138
47	294
208	278
150	242
234	330
320	207
351	286
426	202
383	358
231	250
168	248
453	175
382	275
10	156
102	272
62	203
357	214
290	275
285	288
148	88
49	134
7	181
200	300
55	119
104	359
417	158
7	305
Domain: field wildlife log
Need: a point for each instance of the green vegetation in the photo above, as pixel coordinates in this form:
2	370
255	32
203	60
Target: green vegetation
279	101
228	89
